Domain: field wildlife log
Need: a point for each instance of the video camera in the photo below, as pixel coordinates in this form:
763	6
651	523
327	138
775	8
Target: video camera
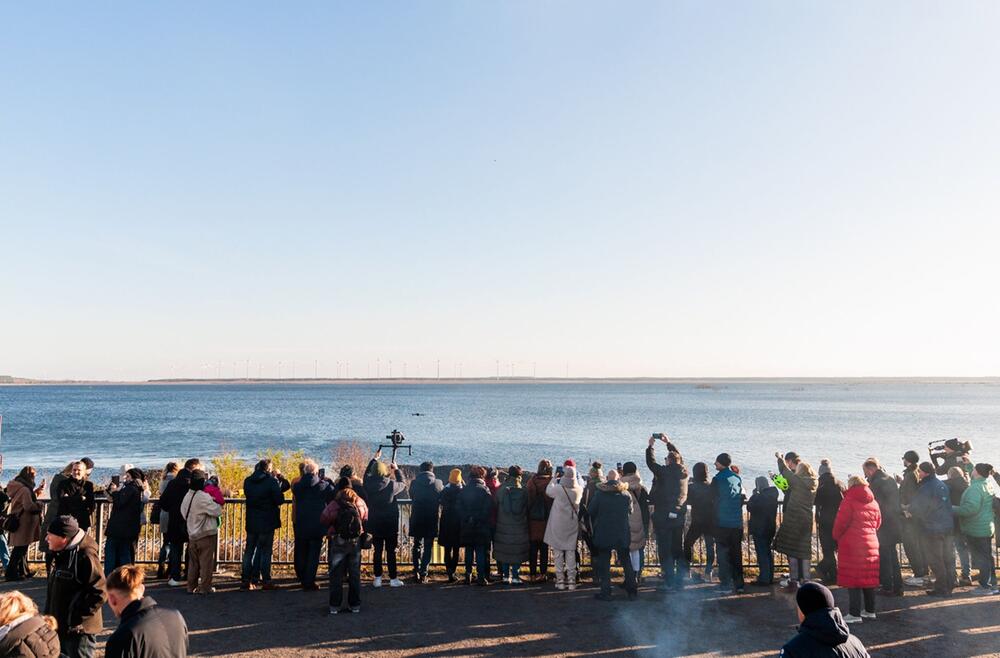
937	448
396	440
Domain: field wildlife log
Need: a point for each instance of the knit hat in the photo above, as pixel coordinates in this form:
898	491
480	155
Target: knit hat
762	483
824	467
569	462
64	526
455	476
953	444
724	459
612	475
596	470
927	468
911	456
812	597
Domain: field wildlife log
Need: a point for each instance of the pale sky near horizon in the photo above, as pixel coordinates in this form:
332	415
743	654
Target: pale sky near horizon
649	189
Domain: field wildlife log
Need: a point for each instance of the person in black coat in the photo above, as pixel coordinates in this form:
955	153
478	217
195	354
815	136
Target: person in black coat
763	510
75	590
125	521
669	495
450	527
890	533
702	502
311	494
609	513
384	485
176	535
264	492
146	630
829	495
823	633
76	497
475	507
425	496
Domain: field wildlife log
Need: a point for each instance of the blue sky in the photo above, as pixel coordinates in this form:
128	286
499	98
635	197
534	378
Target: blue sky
662	189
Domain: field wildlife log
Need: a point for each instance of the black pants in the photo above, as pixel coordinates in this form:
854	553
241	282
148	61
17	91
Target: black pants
913	545
890	576
937	550
389	545
17	568
694	533
538	557
451	559
854	596
670	549
827	566
175	559
306	556
341	565
982	558
602	562
729	542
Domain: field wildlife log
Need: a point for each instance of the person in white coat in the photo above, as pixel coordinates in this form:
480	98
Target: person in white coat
201	513
563	527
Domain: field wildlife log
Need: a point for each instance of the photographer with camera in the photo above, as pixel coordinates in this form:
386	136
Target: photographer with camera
127	492
384	486
953	453
669	495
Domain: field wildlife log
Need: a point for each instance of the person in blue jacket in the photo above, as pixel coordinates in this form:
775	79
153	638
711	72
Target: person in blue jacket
931	508
727	489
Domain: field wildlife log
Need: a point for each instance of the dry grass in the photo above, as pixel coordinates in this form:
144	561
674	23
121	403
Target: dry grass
353	453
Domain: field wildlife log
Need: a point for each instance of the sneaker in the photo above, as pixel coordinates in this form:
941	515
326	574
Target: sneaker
988	591
784	582
395	582
560	586
851	619
334	611
355	609
914	581
516	580
247	587
867	615
176	583
377	582
571	587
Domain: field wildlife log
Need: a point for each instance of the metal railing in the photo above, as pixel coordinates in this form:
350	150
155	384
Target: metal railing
232	539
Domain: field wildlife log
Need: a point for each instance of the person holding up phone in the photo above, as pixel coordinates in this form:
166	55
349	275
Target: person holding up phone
125	522
669	496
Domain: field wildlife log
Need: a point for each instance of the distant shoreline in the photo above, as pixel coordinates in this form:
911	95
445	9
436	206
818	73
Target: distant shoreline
706	382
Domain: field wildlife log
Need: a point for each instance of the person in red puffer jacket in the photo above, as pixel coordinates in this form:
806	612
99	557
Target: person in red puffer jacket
856	533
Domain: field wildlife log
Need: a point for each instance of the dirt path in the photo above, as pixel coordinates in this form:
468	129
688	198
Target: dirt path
440	620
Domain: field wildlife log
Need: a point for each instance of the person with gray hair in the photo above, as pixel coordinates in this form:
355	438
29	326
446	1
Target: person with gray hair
311	494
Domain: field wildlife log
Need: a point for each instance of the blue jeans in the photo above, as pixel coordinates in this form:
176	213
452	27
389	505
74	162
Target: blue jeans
960	546
511	570
174	556
257	557
481	554
423	547
117	553
342	564
4	551
765	558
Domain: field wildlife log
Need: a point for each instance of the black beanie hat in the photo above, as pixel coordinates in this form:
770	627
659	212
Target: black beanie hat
912	457
346	471
927	468
812	597
64	526
724	459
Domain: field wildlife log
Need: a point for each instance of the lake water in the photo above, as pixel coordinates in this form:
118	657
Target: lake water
499	423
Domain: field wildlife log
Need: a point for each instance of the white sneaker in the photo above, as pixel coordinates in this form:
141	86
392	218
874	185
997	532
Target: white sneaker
395	582
176	583
560	586
377	582
516	580
571	587
867	615
914	581
334	611
851	619
784	582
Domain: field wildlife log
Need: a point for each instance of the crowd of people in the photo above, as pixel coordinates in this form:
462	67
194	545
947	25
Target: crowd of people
510	519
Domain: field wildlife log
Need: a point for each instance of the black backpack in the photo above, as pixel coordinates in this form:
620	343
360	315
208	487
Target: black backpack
347	526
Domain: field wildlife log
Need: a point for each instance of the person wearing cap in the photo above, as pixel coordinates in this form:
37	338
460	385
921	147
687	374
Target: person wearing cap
763	510
201	515
822	633
75	591
145	629
668	494
794	537
886	493
609	514
931	508
975	515
450	523
908	484
727	490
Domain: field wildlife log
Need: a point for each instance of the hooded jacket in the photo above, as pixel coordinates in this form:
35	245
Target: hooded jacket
669	492
609	515
856	532
824	634
563	528
382	495
450	527
425	494
886	493
264	493
510	542
763	510
75	588
125	521
201	514
931	507
975	511
31	638
794	537
638	520
147	630
727	489
311	495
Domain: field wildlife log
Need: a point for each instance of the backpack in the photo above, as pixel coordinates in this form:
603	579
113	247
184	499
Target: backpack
347	526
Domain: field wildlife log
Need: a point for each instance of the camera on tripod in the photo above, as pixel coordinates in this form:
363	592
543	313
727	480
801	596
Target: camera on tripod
396	440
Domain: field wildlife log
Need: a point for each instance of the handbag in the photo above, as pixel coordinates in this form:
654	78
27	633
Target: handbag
12	522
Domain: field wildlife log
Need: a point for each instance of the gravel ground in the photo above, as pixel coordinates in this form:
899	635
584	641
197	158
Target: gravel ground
440	620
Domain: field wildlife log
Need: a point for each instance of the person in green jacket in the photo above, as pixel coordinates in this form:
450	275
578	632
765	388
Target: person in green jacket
975	513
